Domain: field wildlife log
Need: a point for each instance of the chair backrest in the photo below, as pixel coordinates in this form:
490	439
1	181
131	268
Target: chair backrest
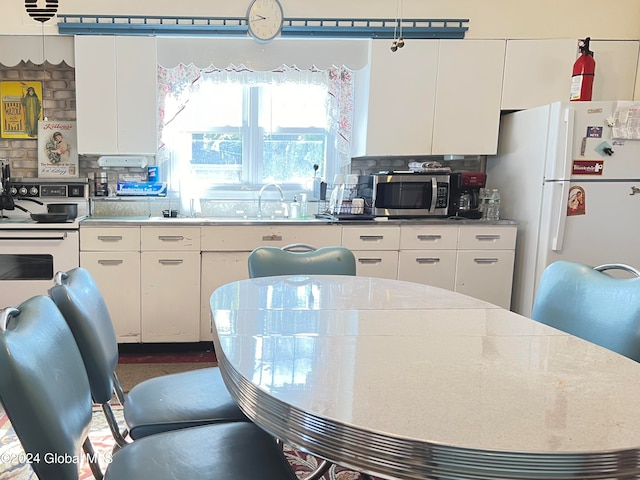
267	261
43	387
590	304
83	307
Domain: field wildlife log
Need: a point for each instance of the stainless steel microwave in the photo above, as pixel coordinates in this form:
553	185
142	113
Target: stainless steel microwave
404	195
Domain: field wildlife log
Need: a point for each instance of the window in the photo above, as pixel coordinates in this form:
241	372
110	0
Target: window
233	130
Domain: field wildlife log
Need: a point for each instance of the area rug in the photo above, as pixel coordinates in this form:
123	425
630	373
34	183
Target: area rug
13	466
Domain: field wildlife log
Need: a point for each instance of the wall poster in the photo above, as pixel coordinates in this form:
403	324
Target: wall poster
57	149
21	109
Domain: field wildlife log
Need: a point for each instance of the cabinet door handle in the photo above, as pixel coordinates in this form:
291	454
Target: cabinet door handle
485	260
110	262
427	260
485	238
371	238
170	238
170	261
272	238
109	238
429	238
369	261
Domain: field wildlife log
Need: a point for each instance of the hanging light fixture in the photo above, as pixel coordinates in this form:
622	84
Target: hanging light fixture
398	42
42	15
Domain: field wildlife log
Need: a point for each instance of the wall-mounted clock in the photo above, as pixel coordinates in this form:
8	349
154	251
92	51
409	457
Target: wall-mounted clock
264	19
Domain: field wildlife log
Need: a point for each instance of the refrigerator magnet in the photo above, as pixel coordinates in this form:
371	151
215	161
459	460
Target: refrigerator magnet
576	201
594	132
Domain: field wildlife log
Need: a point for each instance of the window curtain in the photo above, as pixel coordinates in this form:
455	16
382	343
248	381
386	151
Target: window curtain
176	85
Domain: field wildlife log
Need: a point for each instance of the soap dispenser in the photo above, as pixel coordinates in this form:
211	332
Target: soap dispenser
294	208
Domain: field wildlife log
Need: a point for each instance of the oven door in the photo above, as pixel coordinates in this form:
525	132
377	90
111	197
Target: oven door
29	259
412	195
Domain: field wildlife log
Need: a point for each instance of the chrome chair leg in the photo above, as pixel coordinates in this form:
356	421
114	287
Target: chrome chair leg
87	446
320	470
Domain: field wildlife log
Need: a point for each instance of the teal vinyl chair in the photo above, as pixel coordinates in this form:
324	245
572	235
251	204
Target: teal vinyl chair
159	404
46	394
588	303
301	259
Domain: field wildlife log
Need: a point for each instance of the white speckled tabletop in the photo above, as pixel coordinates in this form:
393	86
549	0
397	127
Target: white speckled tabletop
404	380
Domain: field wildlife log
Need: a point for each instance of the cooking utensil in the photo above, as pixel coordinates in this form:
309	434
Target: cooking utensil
49	217
45	217
71	209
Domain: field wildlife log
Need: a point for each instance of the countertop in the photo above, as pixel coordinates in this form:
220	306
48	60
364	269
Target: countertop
236	221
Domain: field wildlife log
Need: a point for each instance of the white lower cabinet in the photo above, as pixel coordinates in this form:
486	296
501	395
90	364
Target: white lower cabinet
473	260
217	269
226	249
112	256
157	281
428	255
170	279
486	274
484	267
375	248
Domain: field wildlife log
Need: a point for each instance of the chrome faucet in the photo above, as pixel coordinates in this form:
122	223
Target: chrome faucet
277	187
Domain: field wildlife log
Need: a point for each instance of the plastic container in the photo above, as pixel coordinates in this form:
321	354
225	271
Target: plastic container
303	205
294	209
493	207
152	173
483	201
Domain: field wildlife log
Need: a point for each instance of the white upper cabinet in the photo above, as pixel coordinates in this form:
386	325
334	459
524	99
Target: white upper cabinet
116	94
616	67
435	97
401	97
538	72
469	86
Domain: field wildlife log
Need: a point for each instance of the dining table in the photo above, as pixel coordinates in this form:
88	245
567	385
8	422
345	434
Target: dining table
403	380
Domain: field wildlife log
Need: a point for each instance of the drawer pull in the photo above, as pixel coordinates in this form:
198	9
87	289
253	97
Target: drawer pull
427	260
369	261
485	260
110	262
485	238
110	238
272	238
170	261
429	238
371	238
170	238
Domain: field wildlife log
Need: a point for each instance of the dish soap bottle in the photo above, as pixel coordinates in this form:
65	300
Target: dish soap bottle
294	208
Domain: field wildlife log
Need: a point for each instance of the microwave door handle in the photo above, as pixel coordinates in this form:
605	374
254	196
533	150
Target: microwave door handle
434	194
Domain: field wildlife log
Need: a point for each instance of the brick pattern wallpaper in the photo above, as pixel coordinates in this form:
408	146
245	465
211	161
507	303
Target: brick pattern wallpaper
59	103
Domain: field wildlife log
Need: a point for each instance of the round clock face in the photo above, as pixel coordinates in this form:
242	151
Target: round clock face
265	19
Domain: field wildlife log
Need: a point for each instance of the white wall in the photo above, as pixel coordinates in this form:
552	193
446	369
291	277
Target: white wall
619	19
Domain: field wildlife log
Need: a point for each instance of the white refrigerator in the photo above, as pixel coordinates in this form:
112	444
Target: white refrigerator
569	174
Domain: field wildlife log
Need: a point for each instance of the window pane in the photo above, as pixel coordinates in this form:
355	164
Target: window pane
293	105
217	157
217	105
289	158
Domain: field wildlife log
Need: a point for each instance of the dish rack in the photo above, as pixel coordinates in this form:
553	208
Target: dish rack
341	206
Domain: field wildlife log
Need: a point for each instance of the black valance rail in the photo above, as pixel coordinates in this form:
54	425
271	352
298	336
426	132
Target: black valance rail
293	27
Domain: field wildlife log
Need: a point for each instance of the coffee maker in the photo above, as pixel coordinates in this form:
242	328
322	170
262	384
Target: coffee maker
464	194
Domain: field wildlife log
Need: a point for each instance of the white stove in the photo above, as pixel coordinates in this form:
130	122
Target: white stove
35	195
31	252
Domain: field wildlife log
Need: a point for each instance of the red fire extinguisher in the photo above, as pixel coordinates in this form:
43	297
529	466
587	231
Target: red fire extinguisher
584	71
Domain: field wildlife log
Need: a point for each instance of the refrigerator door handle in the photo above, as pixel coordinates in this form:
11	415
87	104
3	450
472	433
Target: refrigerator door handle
561	220
569	117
